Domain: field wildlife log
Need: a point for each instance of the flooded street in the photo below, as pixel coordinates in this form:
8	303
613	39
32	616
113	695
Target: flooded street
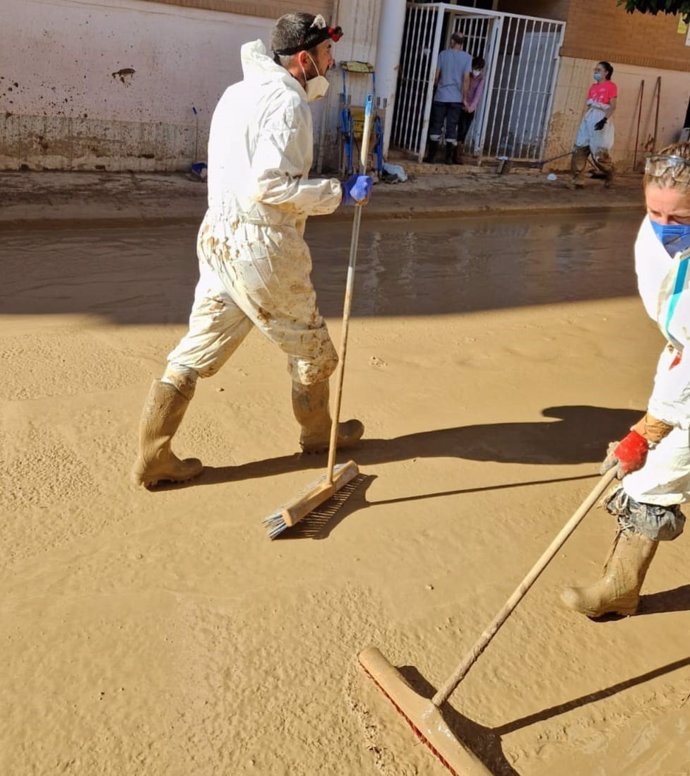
437	266
160	633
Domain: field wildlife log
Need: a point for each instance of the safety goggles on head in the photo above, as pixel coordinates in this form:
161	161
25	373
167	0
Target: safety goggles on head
317	33
659	165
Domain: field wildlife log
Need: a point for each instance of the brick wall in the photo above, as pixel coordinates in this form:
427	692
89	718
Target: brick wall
544	9
600	29
269	9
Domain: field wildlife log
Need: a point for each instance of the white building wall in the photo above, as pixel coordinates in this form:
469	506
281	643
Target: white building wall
111	84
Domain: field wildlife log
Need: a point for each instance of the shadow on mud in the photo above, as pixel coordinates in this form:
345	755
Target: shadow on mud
676	600
579	434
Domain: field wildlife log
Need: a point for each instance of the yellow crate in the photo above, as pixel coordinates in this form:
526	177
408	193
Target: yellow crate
357	113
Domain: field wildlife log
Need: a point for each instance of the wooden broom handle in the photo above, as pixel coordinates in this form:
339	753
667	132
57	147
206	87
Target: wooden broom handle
483	641
347	304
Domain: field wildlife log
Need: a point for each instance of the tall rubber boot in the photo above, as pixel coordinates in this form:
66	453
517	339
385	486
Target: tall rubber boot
459	149
604	163
450	153
163	412
618	590
431	150
310	405
578	164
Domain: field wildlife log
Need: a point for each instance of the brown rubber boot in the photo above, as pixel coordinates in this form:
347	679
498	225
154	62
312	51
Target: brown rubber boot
310	405
578	165
459	148
618	590
604	163
163	412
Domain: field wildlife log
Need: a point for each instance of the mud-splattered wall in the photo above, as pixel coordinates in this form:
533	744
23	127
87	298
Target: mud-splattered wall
113	84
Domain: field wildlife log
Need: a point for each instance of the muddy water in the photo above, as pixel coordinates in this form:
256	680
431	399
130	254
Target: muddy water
404	267
431	267
491	361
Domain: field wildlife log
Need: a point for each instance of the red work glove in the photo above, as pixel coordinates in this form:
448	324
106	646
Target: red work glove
628	455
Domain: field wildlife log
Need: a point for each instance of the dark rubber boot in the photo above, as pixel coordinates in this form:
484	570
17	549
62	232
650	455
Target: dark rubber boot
431	150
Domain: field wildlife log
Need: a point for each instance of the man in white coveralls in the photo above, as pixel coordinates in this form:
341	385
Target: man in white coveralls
254	265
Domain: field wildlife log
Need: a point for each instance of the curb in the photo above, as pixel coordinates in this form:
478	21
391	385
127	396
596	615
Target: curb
395	212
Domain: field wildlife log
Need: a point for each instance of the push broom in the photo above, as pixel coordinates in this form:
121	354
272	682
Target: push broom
423	714
325	496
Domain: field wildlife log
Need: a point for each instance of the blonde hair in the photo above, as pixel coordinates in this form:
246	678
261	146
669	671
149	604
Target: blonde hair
668	177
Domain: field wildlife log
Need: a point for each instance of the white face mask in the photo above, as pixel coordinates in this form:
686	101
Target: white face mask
316	87
476	73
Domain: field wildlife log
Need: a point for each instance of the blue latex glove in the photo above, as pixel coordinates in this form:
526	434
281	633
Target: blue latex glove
356	190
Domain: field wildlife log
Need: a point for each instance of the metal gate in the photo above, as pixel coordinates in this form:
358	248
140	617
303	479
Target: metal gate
522	57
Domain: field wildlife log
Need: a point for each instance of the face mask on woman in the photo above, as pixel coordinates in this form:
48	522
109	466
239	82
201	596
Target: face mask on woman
476	73
674	237
597	77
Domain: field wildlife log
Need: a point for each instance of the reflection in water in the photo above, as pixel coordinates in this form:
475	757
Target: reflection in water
457	265
417	267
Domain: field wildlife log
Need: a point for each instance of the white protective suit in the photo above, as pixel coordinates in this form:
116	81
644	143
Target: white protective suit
598	140
254	265
664	285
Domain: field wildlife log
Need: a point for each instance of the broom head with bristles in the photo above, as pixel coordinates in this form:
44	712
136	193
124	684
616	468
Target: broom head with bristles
322	494
422	715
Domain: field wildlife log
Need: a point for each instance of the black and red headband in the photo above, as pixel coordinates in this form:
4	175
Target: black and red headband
317	33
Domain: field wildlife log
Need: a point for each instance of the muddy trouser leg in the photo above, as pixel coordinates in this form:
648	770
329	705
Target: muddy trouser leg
216	328
276	293
578	163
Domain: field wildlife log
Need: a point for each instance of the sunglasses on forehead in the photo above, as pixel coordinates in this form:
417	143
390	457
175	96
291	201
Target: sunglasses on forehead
662	164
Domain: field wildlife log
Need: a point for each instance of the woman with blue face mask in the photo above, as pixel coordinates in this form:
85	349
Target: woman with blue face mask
595	135
653	460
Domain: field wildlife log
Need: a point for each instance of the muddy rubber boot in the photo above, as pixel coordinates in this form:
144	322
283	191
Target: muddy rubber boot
450	153
618	590
578	164
163	412
457	158
604	164
310	405
432	148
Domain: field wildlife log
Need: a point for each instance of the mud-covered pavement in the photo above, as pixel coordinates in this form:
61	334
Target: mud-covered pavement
86	198
491	361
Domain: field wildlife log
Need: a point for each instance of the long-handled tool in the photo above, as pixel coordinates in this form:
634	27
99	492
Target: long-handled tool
542	162
339	482
424	714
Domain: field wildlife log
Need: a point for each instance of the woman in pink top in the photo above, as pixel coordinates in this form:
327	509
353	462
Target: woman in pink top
475	90
595	135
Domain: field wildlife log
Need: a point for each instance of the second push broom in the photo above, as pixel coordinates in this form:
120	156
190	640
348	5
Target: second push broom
424	714
330	491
